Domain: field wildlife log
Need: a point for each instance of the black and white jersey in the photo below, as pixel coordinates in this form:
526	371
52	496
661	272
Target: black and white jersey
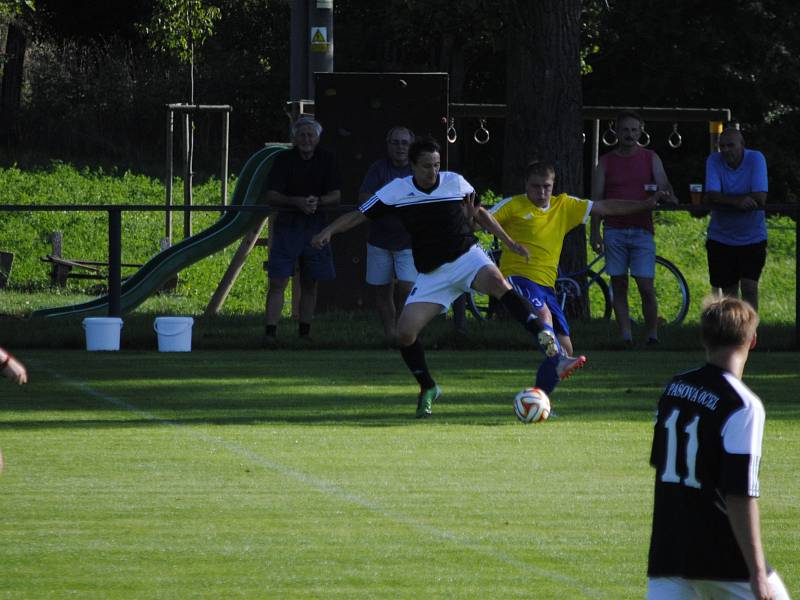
706	445
434	218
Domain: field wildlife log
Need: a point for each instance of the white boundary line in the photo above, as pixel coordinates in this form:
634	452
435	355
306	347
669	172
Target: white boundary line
336	491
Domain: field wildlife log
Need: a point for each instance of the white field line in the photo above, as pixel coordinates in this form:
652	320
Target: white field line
336	491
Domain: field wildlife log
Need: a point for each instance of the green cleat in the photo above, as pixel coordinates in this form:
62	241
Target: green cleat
425	401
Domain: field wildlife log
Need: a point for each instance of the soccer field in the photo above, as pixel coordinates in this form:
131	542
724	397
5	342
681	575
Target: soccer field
304	475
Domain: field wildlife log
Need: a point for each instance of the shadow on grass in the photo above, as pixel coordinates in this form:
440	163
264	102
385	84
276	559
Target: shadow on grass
361	388
352	331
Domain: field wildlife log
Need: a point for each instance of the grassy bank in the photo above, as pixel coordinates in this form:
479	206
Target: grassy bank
680	238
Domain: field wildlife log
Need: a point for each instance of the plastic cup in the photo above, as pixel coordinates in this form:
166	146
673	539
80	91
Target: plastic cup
696	193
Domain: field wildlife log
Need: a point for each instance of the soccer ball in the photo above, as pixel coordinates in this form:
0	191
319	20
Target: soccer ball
532	405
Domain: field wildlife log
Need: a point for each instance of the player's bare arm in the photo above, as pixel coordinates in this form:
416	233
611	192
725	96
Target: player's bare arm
12	369
743	515
487	221
470	206
343	223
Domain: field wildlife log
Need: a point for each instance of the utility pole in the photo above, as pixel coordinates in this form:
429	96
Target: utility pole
311	48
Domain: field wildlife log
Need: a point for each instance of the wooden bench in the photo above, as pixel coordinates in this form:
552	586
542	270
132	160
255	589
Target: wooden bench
73	268
66	268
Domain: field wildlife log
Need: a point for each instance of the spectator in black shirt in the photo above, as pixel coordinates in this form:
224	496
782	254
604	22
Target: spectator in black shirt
302	181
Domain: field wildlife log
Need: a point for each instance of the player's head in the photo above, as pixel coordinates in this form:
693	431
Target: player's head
305	134
727	322
539	178
398	141
629	125
425	161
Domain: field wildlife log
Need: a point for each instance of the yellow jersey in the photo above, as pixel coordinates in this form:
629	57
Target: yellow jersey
541	231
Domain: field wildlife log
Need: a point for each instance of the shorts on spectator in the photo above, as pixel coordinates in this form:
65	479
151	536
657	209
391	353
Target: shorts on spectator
631	249
383	266
288	249
448	282
727	265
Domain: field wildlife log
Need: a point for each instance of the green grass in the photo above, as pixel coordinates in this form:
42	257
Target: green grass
679	236
304	475
85	236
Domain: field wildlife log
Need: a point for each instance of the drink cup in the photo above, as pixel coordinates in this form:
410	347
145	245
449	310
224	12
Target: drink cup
696	193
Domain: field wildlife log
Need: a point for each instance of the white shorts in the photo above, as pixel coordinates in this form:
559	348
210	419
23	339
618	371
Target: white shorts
383	266
678	588
448	282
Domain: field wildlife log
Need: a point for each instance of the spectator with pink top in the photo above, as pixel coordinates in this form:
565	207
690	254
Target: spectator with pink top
628	241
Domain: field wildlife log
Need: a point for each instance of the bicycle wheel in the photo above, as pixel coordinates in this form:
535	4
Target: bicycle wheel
672	295
600	305
569	291
480	305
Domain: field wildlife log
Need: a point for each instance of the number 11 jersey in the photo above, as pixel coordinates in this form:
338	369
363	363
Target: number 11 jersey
706	445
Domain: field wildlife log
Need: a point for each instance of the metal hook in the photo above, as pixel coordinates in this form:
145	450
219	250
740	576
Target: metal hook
452	134
646	139
674	139
609	135
481	135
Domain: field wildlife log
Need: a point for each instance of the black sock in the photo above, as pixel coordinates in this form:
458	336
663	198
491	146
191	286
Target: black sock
304	329
414	357
518	308
272	330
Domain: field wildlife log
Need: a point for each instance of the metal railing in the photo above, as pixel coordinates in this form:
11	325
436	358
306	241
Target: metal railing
115	211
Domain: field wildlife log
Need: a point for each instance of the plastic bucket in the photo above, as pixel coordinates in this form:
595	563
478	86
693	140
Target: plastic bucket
102	333
174	333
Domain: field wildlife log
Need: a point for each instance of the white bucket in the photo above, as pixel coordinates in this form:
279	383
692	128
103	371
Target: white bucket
174	333
102	333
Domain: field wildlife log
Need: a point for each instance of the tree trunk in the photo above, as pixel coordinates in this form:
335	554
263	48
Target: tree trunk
544	101
11	89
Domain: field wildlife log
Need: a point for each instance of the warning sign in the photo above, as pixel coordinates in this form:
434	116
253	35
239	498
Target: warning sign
319	39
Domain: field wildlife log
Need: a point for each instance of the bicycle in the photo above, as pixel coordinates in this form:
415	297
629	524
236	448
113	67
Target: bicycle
672	292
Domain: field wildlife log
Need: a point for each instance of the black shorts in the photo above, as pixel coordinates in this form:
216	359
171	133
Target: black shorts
729	264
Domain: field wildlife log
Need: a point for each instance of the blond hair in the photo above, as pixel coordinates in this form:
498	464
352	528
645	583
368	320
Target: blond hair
727	321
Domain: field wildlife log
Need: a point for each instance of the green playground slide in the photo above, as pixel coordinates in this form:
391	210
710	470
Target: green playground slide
249	190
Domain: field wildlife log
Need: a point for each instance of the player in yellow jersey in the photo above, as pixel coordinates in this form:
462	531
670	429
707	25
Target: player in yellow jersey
538	221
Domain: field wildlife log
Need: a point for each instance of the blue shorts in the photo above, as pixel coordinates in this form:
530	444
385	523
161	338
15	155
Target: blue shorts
541	296
291	244
633	249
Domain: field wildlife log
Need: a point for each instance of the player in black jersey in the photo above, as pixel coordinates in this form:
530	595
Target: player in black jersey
439	210
706	537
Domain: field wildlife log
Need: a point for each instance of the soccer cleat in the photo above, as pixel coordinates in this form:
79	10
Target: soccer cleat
425	401
548	342
567	365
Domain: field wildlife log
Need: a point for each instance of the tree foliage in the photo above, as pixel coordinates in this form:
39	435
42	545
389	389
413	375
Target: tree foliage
734	53
178	26
11	8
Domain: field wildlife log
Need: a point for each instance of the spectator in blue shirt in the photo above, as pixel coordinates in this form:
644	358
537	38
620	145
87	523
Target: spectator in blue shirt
736	188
